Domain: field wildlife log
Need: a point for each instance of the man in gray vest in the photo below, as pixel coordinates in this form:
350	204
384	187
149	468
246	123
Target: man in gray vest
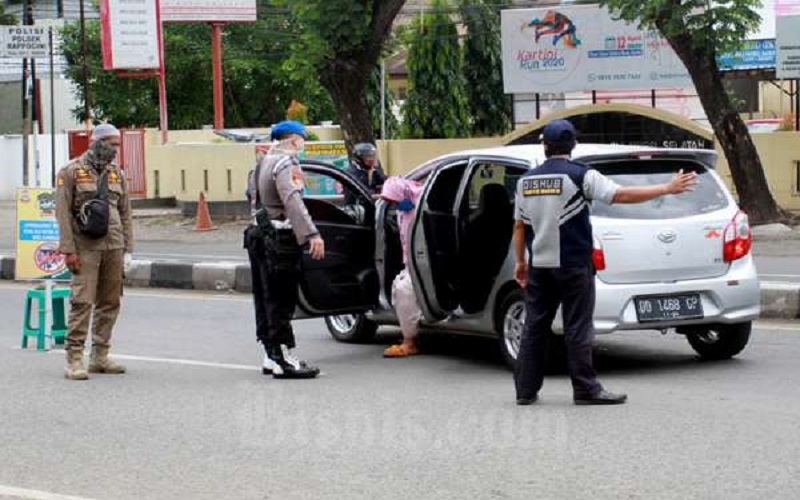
274	245
553	225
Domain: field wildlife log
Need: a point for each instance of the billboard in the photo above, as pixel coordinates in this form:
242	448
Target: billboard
130	33
193	11
583	48
788	41
37	236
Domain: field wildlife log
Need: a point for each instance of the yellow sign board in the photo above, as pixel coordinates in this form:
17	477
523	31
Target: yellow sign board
37	236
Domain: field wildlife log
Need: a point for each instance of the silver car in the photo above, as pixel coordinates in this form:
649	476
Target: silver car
679	262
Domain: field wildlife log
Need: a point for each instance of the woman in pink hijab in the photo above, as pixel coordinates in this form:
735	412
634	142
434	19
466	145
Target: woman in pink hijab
405	195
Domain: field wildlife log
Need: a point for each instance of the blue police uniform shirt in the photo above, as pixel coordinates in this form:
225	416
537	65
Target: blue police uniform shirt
553	201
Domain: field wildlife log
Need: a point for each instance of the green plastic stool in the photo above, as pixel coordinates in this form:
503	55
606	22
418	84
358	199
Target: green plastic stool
59	328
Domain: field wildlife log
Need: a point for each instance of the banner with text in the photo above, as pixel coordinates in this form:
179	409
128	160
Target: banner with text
583	48
219	11
130	32
37	236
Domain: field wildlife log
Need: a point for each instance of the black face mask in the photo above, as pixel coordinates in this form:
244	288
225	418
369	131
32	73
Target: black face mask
101	154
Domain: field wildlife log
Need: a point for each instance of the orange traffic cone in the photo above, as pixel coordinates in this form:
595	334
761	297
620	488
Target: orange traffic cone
203	217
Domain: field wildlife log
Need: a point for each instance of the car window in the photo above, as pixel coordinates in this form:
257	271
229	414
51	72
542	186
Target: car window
324	197
489	173
442	194
709	195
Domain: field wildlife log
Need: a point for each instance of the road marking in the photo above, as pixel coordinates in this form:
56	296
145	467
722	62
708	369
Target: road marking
176	361
6	491
780	327
201	295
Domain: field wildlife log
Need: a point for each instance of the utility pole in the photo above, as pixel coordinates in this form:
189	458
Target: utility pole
60	9
27	19
87	95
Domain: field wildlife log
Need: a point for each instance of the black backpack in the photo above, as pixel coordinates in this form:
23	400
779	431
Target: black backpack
92	219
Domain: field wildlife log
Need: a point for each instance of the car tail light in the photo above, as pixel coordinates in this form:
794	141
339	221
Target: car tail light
738	239
598	256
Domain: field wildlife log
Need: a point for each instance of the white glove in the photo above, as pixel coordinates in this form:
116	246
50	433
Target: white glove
126	266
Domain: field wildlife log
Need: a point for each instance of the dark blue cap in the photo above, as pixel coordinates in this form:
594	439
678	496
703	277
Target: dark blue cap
287	127
559	131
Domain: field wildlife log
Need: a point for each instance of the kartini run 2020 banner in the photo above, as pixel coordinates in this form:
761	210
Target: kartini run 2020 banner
583	48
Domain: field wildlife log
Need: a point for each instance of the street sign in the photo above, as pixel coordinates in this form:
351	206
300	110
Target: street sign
787	30
24	42
219	11
754	54
130	34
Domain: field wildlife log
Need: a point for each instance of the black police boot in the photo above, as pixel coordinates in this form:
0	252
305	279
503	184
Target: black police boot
288	366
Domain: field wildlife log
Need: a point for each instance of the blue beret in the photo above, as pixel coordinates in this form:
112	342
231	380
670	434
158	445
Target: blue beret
287	127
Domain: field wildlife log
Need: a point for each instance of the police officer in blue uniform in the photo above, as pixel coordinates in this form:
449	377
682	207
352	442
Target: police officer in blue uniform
282	229
553	227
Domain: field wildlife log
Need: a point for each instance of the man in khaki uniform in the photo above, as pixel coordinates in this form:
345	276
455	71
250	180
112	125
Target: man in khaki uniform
97	263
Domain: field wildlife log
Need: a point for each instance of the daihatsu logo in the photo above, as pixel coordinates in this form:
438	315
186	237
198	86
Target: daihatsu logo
668	236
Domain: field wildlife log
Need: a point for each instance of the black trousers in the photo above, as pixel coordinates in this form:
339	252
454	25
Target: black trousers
275	279
574	290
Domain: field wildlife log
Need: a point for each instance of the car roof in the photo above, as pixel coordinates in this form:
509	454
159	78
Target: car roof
534	153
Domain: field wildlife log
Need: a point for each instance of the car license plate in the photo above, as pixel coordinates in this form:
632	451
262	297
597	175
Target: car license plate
669	307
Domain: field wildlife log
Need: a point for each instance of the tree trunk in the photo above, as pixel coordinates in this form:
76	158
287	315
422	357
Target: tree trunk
347	82
745	164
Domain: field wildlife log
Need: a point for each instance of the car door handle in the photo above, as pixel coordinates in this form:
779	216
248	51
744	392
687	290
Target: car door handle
612	236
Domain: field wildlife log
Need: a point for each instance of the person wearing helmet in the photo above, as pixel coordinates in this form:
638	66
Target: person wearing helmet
553	226
275	241
365	168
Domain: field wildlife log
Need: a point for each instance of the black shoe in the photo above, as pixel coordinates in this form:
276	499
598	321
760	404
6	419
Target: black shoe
287	366
602	398
527	401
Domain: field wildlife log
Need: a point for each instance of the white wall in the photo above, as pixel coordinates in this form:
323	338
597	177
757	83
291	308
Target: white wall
11	162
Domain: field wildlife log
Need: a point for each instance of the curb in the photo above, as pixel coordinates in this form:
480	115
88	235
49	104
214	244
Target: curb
778	300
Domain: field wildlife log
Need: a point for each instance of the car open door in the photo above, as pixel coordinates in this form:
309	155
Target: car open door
346	281
485	224
433	241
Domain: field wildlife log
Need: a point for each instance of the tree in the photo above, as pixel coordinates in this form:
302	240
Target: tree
437	103
256	88
698	30
6	18
342	43
374	106
489	106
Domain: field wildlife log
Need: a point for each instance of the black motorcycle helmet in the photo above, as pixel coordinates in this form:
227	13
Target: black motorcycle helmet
363	152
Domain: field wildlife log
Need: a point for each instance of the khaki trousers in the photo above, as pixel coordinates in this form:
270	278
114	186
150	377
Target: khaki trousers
96	288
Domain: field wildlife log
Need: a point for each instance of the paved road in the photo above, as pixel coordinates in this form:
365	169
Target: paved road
195	419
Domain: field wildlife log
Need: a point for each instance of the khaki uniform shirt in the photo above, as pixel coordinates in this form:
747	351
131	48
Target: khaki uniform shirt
77	184
280	187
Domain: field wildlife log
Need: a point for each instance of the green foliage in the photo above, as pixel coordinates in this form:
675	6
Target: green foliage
342	42
374	106
714	27
6	18
257	88
437	104
489	106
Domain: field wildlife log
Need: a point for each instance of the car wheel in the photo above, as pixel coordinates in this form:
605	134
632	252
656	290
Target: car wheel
351	327
720	342
510	320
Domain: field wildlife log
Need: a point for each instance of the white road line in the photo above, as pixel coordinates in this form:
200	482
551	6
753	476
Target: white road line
6	491
177	361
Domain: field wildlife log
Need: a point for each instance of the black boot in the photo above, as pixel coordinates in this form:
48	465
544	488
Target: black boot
287	366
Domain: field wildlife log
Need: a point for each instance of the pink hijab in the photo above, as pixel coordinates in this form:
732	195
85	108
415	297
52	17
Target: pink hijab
397	189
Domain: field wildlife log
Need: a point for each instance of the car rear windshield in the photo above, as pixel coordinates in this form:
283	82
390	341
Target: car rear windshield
708	196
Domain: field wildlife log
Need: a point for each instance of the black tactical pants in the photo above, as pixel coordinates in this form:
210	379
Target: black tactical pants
574	290
275	278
